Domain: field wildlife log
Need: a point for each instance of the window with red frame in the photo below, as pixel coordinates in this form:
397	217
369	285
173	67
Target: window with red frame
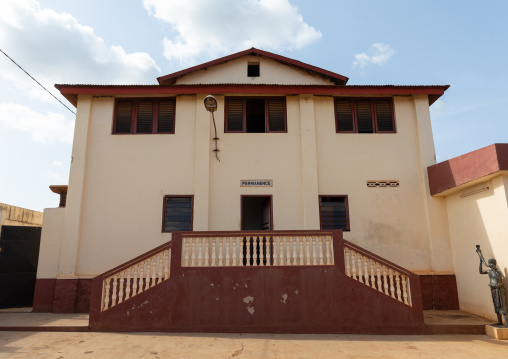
177	214
255	114
364	115
334	212
144	115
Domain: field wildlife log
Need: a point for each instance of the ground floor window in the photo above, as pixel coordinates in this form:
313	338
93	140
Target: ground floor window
177	213
334	212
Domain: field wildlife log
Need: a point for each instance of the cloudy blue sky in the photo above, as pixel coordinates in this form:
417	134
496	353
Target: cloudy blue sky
404	42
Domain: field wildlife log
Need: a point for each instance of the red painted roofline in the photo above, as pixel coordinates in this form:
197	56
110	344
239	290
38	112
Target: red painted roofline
468	167
336	78
70	92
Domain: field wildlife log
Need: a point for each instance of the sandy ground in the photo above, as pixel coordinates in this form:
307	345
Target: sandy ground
243	346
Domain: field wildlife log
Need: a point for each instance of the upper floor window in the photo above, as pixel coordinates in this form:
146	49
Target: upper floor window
364	115
255	114
145	115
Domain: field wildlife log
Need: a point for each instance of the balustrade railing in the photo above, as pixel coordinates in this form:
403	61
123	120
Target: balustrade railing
257	250
377	274
136	278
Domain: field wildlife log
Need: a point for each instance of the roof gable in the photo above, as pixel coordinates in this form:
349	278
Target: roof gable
308	74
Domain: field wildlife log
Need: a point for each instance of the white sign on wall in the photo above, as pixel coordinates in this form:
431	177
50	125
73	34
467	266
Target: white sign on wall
256	183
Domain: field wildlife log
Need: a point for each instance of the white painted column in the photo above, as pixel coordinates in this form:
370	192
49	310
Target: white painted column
73	211
309	163
204	136
435	207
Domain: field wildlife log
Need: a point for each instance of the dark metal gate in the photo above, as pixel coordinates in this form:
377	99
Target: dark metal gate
19	255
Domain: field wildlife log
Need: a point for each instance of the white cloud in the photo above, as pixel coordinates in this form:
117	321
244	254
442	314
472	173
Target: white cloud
213	28
52	175
379	54
49	128
55	48
58	163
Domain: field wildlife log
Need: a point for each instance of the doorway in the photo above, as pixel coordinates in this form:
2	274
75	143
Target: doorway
257	213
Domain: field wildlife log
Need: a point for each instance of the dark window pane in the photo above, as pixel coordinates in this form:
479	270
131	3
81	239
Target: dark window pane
333	213
255	115
123	117
276	115
344	113
253	70
178	214
364	116
235	115
145	117
166	116
384	116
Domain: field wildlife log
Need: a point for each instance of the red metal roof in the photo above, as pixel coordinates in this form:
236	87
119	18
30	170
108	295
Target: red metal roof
334	77
70	92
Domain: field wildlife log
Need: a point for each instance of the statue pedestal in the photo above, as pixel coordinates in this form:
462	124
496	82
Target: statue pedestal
497	332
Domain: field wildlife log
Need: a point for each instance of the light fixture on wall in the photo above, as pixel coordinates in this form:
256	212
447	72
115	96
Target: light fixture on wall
211	106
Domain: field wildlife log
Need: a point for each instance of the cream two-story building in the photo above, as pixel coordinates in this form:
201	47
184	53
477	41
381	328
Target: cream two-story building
289	147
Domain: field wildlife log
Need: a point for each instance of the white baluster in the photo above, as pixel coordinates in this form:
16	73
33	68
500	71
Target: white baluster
321	254
121	285
366	270
360	271
288	250
113	297
128	287
161	263
392	288
206	244
397	286
329	259
314	251
234	253
281	251
346	259
242	255
353	264
148	272
372	274
135	282
307	251
269	253
106	293
214	256
404	290
378	274
294	258
154	270
228	250
168	264
141	277
221	249
301	254
200	252
187	252
385	279
193	252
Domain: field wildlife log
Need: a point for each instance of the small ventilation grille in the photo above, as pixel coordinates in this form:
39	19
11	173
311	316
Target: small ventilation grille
383	183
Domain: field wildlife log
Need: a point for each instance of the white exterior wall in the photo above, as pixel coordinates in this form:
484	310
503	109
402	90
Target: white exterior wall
125	177
480	218
270	72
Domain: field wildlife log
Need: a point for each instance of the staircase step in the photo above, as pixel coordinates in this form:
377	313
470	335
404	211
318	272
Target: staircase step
454	322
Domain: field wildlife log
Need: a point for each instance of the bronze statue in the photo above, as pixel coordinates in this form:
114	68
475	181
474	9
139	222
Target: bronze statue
496	287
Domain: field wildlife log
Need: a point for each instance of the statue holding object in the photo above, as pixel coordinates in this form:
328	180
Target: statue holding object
496	287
